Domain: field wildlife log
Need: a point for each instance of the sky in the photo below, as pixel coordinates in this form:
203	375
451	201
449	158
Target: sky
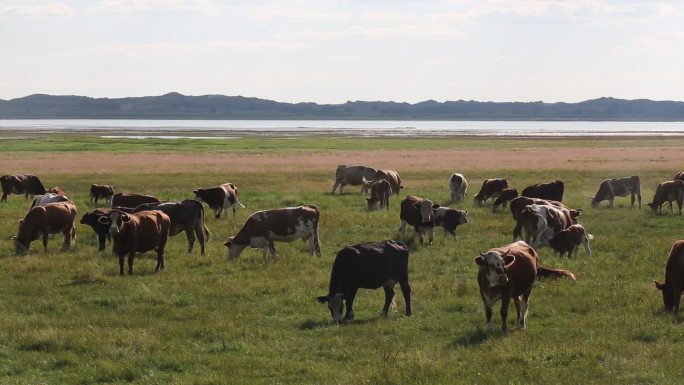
333	51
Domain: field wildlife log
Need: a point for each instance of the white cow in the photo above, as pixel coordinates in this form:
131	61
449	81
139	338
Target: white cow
458	186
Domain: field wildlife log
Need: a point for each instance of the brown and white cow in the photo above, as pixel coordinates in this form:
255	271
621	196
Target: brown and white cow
419	213
679	176
551	191
673	286
220	197
669	191
26	184
458	185
618	187
506	273
568	241
518	205
130	200
101	191
505	196
42	200
491	188
57	190
380	194
264	227
40	221
540	223
139	232
353	176
448	219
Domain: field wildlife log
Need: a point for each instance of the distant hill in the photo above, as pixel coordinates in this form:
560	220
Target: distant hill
176	106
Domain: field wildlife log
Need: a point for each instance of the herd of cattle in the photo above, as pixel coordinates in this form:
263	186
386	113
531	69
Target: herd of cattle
140	223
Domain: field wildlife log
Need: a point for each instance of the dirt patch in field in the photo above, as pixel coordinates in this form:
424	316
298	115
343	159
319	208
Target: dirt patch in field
614	159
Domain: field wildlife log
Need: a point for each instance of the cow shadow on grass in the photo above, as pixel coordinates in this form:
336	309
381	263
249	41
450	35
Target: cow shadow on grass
476	337
312	324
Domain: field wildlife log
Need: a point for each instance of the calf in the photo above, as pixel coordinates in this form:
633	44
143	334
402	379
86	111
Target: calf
419	213
569	240
367	266
491	188
131	200
390	176
42	200
449	219
353	176
540	223
187	216
380	194
673	286
506	196
551	191
508	272
220	197
287	224
618	187
57	190
668	191
458	186
101	229
101	191
26	184
139	232
40	221
518	205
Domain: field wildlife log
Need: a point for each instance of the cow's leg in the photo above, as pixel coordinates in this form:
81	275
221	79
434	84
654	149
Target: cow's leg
4	197
431	232
420	235
160	258
671	208
271	249
337	183
121	264
631	201
349	304
517	230
679	205
101	239
199	233
131	255
44	237
264	252
406	291
190	235
575	251
611	202
505	302
402	228
676	294
389	295
523	306
488	316
217	212
639	198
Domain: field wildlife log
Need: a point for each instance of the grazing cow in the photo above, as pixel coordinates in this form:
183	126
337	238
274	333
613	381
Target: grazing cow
551	191
540	223
679	176
618	187
139	232
380	194
491	188
449	219
672	190
367	266
101	191
220	197
458	186
569	240
673	286
26	184
42	200
187	216
518	205
506	196
508	272
392	177
419	213
40	221
130	200
285	225
353	176
101	229
57	190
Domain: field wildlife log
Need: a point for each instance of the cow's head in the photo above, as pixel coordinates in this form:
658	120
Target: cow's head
669	299
463	217
21	243
198	194
653	206
116	220
594	202
497	265
335	304
371	202
234	249
478	201
426	208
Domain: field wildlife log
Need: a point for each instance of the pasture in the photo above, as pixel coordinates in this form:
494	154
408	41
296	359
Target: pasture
69	318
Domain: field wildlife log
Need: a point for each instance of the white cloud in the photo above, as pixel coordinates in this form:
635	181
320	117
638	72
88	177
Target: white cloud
668	42
207	7
36	8
440	31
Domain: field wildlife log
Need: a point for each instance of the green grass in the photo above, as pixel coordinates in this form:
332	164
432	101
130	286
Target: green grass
68	318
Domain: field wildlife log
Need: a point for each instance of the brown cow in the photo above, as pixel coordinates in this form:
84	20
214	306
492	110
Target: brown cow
130	200
139	232
389	175
618	187
57	190
353	176
569	240
285	225
491	188
672	190
26	184
220	197
40	221
101	191
508	272
673	286
419	213
506	196
380	194
518	205
551	191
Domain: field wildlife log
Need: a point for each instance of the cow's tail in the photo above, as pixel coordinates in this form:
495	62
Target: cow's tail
317	241
590	236
238	202
555	273
205	229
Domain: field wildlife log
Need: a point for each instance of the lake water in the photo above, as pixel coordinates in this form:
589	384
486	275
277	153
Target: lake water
219	129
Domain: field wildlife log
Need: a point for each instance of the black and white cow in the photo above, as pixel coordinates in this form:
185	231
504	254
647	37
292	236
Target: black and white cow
220	197
618	187
419	213
449	219
101	191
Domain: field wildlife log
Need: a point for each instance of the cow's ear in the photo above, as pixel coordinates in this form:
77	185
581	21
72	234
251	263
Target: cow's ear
659	285
508	260
465	211
323	299
125	217
435	206
480	261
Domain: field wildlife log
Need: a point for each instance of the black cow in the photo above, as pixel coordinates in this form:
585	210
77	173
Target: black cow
551	191
419	213
26	184
102	230
367	266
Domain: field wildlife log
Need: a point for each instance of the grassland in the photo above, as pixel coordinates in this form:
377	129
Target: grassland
68	318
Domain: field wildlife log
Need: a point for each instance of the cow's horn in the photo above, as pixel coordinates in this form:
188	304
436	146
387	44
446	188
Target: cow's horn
482	254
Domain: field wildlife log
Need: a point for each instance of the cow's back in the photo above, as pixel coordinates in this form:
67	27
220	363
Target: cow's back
54	216
152	227
130	200
370	265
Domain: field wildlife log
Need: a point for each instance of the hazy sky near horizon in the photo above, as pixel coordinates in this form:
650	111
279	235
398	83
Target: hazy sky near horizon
331	51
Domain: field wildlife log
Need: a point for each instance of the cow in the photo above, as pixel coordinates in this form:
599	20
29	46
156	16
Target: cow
618	187
101	229
353	176
449	219
367	266
389	175
285	225
550	191
672	190
187	216
380	194
57	190
26	184
540	223
505	196
130	200
419	213
673	286
458	186
220	197
679	176
508	272
101	191
568	241
518	205
42	200
139	232
40	221
491	188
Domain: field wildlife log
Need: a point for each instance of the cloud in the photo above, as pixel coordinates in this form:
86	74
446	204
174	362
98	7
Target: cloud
667	42
207	7
36	8
440	31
